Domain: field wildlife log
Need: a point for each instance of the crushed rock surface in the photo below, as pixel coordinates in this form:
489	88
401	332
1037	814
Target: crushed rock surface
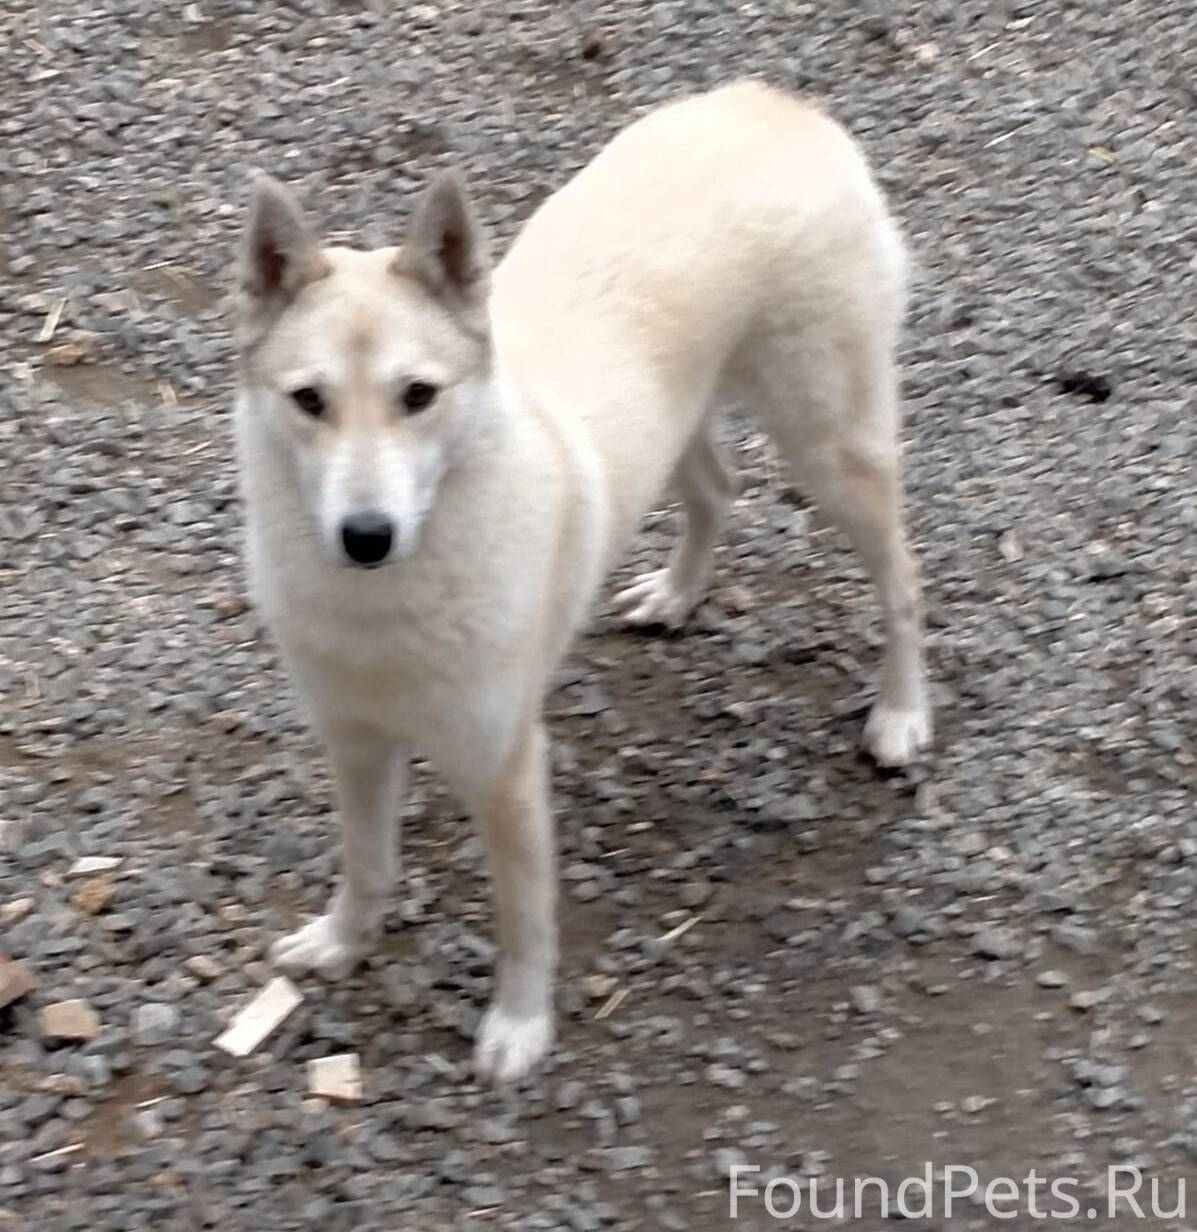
987	961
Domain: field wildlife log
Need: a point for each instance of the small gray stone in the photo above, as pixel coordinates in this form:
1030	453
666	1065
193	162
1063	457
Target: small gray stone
728	1158
1104	1097
189	1080
482	1197
497	1130
909	921
627	1110
586	891
148	1124
570	1094
624	1158
431	1114
726	1076
1108	1075
1075	937
996	943
155	1023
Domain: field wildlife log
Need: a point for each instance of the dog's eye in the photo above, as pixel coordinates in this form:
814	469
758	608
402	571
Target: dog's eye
419	395
309	400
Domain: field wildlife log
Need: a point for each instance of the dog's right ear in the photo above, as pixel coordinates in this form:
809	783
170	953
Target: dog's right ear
279	250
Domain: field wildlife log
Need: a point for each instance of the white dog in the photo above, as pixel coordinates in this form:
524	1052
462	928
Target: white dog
439	468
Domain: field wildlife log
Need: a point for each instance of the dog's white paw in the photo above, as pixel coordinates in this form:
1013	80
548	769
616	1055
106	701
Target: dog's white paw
318	947
896	737
508	1047
654	599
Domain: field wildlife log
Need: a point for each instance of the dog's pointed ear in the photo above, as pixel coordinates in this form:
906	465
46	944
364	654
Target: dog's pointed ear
279	250
444	247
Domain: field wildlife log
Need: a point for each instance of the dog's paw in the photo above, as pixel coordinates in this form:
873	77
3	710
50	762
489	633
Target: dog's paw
896	737
318	947
508	1047
654	599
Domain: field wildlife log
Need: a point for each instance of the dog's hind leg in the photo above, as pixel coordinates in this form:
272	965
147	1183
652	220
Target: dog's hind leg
370	776
704	483
830	402
860	488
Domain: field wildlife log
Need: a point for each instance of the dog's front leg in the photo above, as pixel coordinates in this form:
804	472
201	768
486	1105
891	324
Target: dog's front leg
518	828
370	772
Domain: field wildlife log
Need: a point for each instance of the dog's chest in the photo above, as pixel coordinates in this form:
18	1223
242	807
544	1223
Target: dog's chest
380	634
413	655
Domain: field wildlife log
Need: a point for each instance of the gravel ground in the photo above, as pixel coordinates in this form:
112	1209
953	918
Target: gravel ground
987	961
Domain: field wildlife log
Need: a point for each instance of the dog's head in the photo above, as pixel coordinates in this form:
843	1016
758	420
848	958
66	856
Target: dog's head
368	369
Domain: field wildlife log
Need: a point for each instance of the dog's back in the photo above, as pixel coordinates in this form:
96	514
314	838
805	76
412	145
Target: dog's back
725	216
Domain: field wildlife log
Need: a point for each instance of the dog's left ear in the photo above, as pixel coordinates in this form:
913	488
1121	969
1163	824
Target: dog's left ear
444	247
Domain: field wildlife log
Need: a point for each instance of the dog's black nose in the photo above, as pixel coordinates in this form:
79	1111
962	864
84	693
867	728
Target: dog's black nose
367	538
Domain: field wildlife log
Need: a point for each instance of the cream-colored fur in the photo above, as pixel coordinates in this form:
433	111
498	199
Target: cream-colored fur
731	245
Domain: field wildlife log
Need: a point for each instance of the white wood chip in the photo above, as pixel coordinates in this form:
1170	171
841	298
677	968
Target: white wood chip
337	1078
260	1017
88	866
63	1152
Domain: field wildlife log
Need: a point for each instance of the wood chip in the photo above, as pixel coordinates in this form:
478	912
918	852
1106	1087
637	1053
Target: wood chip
263	1015
17	910
612	1003
15	980
50	324
50	1161
338	1078
88	866
93	895
681	930
70	1020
